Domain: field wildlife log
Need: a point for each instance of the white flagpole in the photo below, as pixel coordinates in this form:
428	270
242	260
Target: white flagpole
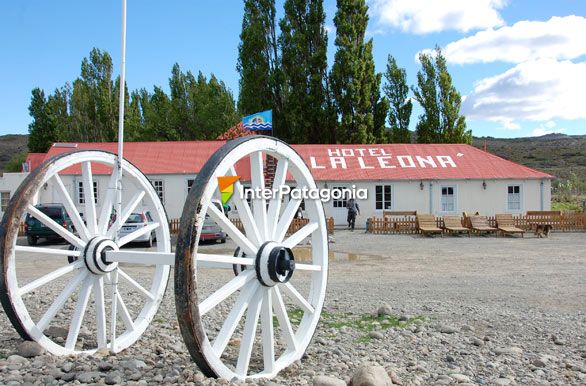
114	276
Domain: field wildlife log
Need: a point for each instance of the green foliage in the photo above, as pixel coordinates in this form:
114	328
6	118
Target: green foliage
87	110
441	121
15	163
258	62
42	129
307	110
353	77
397	92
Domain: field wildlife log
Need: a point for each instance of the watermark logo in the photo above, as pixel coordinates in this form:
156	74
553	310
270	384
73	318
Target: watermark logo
303	193
226	186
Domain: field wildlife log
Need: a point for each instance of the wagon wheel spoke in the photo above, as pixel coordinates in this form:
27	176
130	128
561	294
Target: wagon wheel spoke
259	204
48	251
126	212
248	221
46	279
298	298
79	313
286	219
283	318
233	318
247	341
108	204
234	233
275	203
300	235
50	223
58	304
100	311
225	291
137	233
71	209
133	282
89	197
268	335
120	305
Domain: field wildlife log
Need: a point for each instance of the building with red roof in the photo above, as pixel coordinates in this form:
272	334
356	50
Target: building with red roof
443	179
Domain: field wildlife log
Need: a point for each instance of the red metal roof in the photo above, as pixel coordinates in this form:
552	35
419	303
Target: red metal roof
330	162
34	159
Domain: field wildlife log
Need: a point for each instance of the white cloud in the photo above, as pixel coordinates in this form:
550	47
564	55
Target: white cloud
537	90
426	16
558	38
550	124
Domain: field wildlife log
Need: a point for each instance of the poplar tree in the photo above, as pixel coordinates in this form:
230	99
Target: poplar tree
258	62
441	121
307	109
353	78
41	130
397	91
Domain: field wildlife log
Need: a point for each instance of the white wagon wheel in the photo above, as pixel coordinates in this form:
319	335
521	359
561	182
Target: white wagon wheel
89	286
219	323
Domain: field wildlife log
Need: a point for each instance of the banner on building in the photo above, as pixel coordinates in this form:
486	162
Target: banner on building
259	121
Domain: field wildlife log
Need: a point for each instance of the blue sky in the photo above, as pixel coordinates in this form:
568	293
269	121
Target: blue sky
520	64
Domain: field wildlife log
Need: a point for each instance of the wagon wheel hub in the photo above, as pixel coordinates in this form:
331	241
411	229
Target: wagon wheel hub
94	255
274	264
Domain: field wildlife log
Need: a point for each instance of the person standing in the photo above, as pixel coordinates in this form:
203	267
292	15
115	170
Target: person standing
353	210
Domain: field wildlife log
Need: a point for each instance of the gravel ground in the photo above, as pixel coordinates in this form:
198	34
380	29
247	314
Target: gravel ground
480	310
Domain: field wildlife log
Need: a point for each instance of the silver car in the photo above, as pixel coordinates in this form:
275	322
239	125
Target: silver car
136	221
210	230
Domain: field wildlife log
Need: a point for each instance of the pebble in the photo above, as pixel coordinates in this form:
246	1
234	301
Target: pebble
370	374
445	329
29	349
385	309
512	350
323	380
376	335
112	379
538	362
460	378
17	359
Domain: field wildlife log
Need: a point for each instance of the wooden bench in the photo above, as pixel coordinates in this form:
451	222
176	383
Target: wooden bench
480	224
399	220
426	224
453	224
506	224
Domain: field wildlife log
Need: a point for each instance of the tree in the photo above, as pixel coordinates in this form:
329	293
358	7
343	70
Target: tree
14	165
307	109
41	130
397	91
441	121
353	77
258	62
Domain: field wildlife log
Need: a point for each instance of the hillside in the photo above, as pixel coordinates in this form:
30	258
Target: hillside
11	145
556	154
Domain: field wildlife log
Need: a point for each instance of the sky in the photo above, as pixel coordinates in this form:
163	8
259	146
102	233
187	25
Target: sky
520	65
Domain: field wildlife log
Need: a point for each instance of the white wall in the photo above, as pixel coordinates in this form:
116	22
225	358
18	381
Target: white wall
470	197
9	182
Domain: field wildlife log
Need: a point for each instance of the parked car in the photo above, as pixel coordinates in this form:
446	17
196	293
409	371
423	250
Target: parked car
34	229
210	230
136	221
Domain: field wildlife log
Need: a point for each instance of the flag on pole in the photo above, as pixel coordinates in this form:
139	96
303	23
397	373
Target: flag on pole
259	121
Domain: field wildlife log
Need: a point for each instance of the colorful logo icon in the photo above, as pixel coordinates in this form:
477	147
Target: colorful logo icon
226	186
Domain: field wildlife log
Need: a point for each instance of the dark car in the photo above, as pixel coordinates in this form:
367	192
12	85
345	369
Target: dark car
34	229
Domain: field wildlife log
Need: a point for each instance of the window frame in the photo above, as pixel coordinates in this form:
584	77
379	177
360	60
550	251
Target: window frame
454	197
520	195
160	193
383	200
341	203
81	193
4	200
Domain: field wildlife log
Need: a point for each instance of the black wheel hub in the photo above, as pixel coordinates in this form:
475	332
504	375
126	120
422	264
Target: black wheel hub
274	264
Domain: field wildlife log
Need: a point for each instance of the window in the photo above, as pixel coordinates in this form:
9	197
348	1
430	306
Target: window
340	203
382	197
514	197
159	188
190	182
4	198
80	193
448	199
